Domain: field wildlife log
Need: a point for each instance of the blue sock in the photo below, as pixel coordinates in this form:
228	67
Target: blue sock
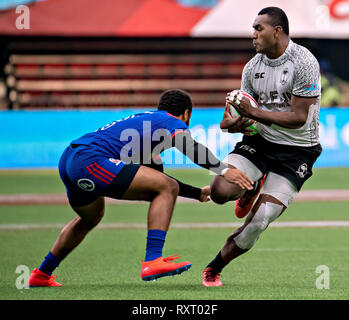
49	264
155	243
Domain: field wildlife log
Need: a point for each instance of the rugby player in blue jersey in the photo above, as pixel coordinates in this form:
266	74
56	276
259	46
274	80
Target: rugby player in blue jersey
120	161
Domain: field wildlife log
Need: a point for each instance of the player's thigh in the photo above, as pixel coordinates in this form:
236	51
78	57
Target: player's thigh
244	164
250	156
280	188
147	183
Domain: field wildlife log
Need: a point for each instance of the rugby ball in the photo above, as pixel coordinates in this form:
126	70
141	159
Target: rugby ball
235	114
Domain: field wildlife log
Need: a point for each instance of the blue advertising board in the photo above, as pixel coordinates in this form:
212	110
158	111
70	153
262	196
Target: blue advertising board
36	139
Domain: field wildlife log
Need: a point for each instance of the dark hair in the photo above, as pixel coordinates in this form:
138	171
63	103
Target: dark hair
175	101
278	17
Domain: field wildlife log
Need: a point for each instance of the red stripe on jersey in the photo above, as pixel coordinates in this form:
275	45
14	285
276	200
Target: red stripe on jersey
98	177
106	171
179	131
171	115
100	172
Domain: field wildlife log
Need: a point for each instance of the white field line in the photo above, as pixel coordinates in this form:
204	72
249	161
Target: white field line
303	249
56	198
192	225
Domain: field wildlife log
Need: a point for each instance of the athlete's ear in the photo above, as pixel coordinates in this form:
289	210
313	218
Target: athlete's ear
187	115
277	30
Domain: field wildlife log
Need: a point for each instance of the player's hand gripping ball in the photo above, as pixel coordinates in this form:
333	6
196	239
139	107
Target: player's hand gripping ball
235	97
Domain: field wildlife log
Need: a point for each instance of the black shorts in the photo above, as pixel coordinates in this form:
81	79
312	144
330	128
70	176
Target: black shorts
292	162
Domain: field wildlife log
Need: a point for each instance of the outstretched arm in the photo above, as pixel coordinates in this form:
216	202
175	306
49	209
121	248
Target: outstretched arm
203	157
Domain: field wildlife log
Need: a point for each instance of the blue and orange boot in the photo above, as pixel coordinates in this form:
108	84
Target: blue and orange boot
162	267
40	279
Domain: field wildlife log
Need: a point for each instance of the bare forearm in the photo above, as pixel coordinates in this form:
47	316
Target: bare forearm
198	153
290	120
293	119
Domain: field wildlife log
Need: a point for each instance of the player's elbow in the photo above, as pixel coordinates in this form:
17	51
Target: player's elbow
299	122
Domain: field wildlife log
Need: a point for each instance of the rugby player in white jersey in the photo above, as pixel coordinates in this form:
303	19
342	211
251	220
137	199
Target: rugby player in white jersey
284	78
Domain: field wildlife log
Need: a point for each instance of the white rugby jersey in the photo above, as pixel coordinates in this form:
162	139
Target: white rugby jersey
272	82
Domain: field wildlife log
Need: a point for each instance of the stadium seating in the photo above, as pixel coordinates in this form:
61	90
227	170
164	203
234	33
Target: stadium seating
112	80
55	72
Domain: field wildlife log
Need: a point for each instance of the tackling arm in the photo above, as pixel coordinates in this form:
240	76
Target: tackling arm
203	157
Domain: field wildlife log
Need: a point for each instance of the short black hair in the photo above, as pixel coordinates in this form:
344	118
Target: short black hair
175	101
278	17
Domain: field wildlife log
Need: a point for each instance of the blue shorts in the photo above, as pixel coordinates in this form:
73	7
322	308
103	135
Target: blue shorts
88	174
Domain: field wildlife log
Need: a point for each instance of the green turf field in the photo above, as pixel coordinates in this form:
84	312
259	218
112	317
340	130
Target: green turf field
282	265
48	181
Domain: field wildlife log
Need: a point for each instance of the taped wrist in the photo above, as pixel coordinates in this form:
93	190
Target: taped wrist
188	191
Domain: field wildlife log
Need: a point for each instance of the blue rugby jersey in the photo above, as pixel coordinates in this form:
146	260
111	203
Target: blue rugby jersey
135	137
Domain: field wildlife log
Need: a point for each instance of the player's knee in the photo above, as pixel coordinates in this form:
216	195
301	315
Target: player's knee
218	197
223	191
218	192
171	187
266	213
94	220
100	215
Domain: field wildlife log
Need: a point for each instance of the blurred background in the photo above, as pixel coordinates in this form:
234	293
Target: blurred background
68	67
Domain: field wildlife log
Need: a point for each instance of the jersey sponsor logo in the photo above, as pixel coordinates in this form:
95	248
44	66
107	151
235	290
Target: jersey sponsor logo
248	148
86	184
116	161
274	97
259	75
302	170
284	76
310	87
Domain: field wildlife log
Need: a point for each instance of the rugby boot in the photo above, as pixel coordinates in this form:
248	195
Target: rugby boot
41	279
210	279
245	203
162	267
